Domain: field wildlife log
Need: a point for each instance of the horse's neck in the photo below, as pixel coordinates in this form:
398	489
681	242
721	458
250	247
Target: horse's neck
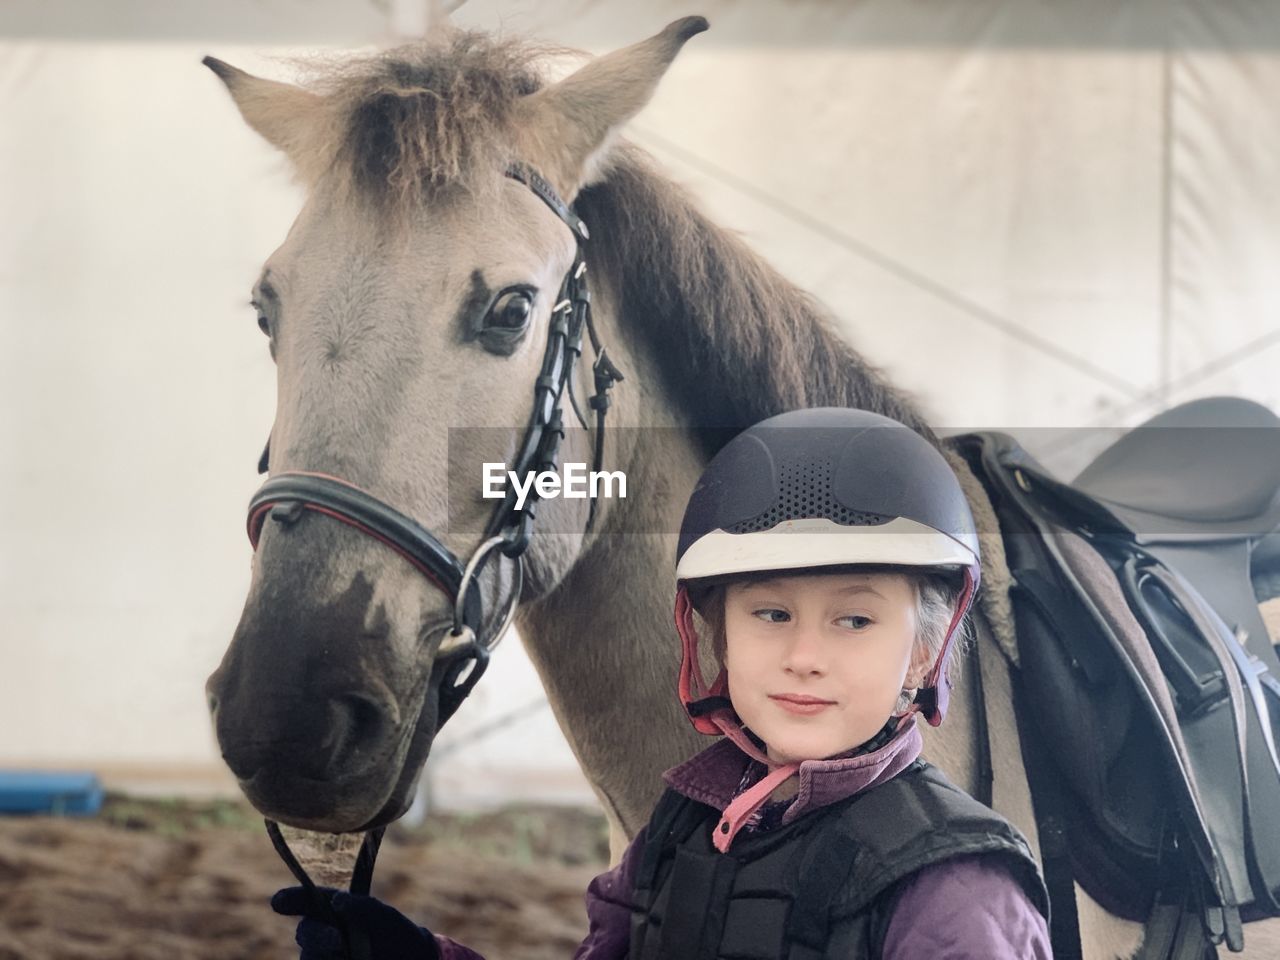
605	648
603	640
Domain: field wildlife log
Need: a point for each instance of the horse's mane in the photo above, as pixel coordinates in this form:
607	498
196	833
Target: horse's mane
736	342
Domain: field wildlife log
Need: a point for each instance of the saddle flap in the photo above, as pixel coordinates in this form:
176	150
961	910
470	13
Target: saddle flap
1094	583
1254	758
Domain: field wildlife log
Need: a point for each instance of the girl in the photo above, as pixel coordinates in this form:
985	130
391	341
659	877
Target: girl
831	557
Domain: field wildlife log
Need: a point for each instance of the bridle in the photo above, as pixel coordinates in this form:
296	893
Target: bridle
285	496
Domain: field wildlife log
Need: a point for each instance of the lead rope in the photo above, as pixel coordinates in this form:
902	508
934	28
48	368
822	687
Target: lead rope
354	947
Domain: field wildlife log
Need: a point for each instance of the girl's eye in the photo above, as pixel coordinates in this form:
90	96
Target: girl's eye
768	612
510	312
859	622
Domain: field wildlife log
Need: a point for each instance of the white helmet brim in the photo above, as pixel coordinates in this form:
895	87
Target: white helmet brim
819	542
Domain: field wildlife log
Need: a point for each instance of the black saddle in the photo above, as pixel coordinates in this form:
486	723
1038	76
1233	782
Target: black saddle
1147	683
1209	469
1199	486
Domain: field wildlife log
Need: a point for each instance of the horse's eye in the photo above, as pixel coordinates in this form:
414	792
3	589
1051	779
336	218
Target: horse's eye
264	324
511	311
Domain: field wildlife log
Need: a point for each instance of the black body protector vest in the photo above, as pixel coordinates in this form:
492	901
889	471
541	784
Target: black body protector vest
822	886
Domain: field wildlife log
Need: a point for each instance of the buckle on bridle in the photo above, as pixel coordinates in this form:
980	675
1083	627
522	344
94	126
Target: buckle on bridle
462	636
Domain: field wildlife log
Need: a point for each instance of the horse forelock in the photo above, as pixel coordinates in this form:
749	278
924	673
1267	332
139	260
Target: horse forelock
403	124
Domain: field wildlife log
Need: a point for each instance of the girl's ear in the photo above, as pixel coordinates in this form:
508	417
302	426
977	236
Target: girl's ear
920	665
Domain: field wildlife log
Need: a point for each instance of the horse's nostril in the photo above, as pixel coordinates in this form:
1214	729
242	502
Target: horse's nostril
366	716
360	723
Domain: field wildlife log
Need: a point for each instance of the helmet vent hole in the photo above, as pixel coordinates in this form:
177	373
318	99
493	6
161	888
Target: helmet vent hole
805	492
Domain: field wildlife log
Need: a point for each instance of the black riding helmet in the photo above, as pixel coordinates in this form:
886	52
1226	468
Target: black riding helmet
825	486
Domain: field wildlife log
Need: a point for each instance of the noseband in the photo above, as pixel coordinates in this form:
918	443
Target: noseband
286	495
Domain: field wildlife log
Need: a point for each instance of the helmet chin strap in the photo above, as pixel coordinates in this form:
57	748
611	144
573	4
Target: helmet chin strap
935	693
709	707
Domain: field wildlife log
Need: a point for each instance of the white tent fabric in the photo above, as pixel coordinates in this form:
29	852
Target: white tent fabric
1033	215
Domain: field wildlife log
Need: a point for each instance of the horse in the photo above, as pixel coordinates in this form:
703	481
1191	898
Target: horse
407	309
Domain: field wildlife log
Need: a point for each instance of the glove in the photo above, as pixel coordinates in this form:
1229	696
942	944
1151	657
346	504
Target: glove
375	930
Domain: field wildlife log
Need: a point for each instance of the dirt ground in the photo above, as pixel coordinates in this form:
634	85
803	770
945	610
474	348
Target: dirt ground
174	880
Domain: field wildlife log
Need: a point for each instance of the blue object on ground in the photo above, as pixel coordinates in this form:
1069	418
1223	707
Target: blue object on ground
47	792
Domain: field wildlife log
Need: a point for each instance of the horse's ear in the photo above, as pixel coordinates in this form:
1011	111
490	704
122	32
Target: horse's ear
287	116
572	123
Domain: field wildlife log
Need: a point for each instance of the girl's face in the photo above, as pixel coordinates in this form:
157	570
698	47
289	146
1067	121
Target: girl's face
816	662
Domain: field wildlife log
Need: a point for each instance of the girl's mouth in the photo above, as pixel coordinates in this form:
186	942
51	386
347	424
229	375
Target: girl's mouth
801	704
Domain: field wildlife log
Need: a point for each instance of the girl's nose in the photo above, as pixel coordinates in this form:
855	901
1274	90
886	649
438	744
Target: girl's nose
803	654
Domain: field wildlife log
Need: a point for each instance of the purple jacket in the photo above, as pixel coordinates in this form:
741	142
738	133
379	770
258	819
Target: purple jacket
968	908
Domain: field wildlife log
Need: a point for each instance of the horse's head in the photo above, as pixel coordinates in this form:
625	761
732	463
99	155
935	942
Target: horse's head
414	294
